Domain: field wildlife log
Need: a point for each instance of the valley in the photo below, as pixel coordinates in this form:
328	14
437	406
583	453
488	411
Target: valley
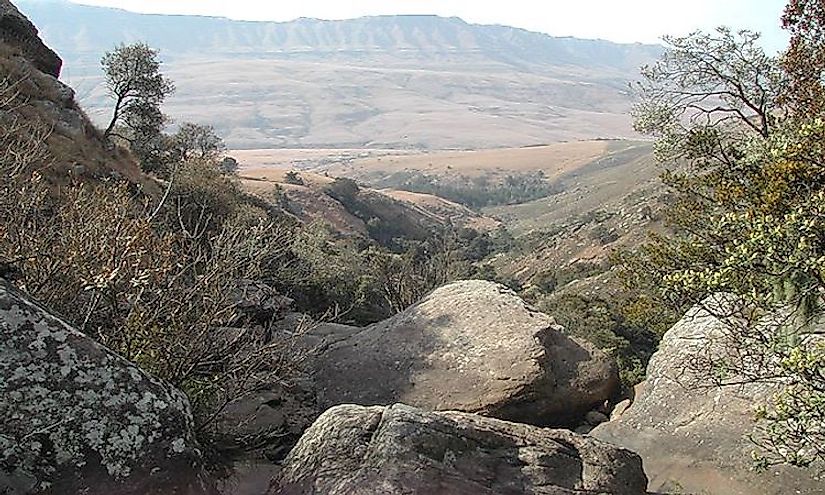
407	254
401	82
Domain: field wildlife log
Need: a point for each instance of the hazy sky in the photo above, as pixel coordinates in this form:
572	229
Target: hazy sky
615	20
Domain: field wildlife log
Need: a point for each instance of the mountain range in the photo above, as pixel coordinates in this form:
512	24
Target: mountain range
388	81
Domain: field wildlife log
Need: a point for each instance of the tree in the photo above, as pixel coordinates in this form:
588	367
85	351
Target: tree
196	141
805	59
292	177
746	167
134	81
229	165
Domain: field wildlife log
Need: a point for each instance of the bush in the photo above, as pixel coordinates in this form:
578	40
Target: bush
154	283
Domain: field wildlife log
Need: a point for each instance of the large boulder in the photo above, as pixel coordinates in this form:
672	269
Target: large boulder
76	418
17	31
692	435
470	346
399	449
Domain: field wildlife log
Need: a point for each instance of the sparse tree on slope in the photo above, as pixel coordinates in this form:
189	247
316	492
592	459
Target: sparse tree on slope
196	141
134	81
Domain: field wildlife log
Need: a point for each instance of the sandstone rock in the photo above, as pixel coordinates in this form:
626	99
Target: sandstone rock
20	33
693	436
472	346
258	301
269	422
595	418
78	419
620	409
398	449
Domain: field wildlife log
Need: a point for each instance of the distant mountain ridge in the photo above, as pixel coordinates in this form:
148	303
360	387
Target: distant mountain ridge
411	44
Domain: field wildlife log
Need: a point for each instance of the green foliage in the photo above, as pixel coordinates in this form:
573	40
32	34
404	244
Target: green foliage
195	141
745	164
361	282
476	192
135	83
611	326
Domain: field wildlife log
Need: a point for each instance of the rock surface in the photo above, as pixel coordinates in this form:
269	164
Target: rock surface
694	440
30	88
398	449
471	346
16	30
76	418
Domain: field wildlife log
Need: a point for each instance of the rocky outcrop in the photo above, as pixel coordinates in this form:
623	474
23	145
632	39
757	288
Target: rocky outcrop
38	105
19	32
471	346
692	436
76	418
399	449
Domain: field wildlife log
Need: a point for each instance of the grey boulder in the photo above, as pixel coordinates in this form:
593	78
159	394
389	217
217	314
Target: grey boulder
692	435
402	450
471	346
76	418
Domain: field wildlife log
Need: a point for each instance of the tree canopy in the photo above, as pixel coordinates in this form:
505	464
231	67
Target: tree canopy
741	138
135	83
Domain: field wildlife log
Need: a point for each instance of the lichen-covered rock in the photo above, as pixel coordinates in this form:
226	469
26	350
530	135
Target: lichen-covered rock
76	418
16	30
471	346
401	450
693	436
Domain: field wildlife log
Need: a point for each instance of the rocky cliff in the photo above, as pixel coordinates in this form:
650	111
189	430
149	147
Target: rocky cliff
18	31
46	111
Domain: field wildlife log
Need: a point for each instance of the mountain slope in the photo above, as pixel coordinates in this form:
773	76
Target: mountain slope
395	81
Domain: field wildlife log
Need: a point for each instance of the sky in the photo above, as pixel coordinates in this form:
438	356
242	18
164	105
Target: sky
615	20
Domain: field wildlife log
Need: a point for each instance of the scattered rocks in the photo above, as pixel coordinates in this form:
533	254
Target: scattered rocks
258	302
399	449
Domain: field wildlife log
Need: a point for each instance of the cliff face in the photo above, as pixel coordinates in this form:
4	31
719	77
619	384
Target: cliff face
19	32
33	95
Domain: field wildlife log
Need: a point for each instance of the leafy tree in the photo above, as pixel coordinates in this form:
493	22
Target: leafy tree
196	141
292	177
805	59
744	160
134	81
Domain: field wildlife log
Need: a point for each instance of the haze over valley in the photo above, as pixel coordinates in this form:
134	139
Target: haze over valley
393	81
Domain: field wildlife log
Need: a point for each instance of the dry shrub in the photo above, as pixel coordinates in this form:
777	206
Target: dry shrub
155	283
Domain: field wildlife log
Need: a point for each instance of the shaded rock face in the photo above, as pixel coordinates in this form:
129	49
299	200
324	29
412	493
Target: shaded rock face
471	346
399	449
692	436
18	31
78	419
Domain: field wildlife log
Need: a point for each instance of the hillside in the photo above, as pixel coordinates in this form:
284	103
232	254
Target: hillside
588	197
394	81
308	201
